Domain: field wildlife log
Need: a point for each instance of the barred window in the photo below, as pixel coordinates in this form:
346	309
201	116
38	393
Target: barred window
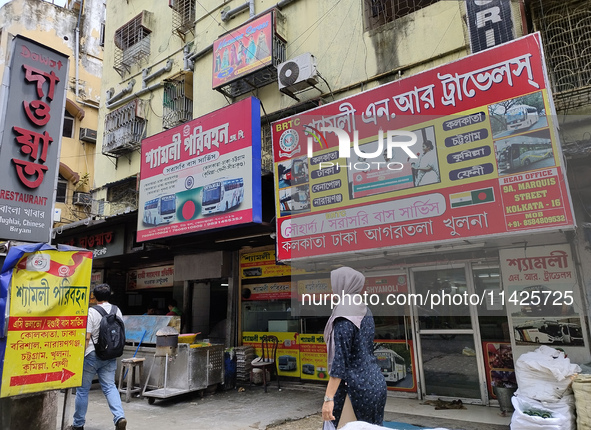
132	41
380	12
566	31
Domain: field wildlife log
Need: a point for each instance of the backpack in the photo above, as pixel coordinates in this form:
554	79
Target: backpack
111	338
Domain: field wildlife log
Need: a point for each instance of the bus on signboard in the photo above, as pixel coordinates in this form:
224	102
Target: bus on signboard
160	210
539	331
392	365
523	154
222	195
521	116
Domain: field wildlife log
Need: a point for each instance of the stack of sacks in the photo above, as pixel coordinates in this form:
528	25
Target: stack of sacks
544	399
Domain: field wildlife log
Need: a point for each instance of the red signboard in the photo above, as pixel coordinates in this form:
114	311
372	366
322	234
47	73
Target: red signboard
243	50
486	160
201	175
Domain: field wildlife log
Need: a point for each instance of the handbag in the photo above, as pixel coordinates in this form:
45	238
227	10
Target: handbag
328	425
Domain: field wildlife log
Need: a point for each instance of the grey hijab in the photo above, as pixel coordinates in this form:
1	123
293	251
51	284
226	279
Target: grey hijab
344	280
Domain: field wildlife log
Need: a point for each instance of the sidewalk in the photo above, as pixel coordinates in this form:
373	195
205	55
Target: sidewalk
295	407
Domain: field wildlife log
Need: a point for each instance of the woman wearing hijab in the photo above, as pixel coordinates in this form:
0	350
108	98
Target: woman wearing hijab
352	367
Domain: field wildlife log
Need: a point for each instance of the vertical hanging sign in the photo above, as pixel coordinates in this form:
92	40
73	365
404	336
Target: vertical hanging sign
33	96
489	22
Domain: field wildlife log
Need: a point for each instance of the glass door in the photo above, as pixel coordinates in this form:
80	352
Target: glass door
448	342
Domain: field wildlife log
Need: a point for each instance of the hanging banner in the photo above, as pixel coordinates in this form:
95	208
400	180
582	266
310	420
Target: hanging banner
202	175
543	299
462	151
47	291
34	96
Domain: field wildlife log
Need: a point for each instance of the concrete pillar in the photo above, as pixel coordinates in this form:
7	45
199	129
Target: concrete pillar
29	411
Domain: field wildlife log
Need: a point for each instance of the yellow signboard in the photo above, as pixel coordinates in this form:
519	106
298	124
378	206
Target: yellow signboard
262	264
313	357
46	330
288	352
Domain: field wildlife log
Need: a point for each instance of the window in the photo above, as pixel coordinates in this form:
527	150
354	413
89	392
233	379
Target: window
177	101
62	190
183	16
380	12
68	130
132	41
566	31
124	129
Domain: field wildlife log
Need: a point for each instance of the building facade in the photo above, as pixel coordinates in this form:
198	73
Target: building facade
217	168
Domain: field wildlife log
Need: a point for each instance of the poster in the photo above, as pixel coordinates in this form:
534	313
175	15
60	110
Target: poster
243	51
48	292
500	369
396	361
462	151
201	175
288	350
543	300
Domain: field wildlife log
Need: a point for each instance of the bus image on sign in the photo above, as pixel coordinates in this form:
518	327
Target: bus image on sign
523	154
222	195
539	331
521	116
392	365
160	210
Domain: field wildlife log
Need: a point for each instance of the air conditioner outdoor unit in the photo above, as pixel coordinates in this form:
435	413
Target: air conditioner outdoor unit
297	74
88	135
82	199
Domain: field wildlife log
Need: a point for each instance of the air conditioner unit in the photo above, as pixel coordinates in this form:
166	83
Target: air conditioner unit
88	135
297	74
82	199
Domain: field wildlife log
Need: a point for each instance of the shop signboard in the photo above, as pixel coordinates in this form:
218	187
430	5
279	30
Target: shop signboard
202	175
150	277
32	100
463	151
288	350
102	243
543	300
262	264
47	292
313	357
243	51
267	291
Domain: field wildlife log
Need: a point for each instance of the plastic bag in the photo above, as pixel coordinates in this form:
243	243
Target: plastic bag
328	425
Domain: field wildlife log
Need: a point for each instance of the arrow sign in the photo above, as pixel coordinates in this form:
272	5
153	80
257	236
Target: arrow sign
41	377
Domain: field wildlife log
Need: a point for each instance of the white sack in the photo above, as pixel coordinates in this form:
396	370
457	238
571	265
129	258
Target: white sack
544	374
360	425
562	414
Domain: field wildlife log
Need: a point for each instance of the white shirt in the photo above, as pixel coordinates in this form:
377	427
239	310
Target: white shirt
94	322
428	159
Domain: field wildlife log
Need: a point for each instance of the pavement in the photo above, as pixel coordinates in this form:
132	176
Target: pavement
295	407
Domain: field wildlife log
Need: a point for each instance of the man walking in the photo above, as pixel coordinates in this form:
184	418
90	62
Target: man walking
105	369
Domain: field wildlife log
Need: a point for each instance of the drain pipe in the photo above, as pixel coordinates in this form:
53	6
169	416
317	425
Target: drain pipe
229	14
77	49
114	97
113	105
147	78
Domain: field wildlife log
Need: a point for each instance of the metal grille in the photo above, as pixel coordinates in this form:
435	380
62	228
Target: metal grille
566	31
124	129
123	196
380	12
178	101
132	42
266	149
183	17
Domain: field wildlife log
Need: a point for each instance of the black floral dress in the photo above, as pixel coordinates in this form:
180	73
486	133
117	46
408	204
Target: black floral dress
356	365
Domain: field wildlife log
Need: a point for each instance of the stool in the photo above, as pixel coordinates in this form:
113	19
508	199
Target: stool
133	368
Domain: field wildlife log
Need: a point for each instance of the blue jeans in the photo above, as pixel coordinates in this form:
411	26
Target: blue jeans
105	369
